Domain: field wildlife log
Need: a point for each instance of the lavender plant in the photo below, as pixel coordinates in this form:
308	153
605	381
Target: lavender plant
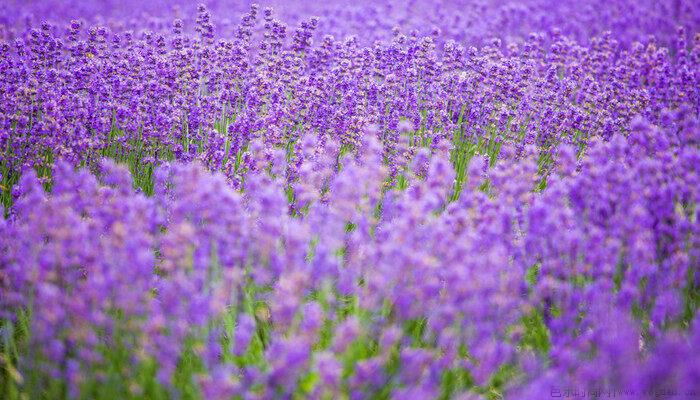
409	201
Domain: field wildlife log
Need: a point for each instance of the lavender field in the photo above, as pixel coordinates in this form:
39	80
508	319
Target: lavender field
350	199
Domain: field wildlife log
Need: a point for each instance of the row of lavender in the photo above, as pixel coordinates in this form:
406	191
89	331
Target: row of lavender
471	21
301	216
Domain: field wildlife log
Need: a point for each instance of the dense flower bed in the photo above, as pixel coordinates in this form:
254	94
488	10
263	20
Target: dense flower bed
387	200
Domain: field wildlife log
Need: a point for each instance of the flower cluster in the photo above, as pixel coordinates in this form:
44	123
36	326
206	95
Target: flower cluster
353	206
